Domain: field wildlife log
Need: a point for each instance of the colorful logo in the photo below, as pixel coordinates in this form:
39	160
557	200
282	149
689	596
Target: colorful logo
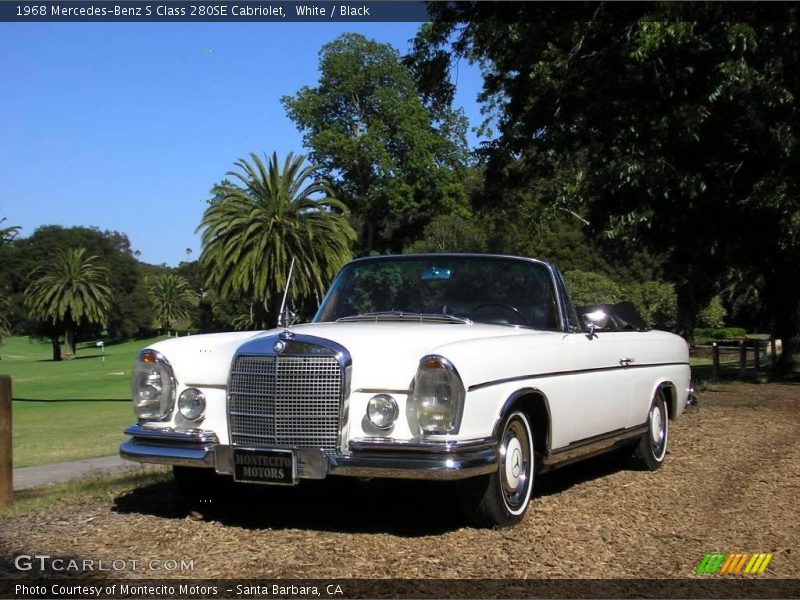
733	564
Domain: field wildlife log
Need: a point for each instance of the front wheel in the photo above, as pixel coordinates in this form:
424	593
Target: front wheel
501	498
652	447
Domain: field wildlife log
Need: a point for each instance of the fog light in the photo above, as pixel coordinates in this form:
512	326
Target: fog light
382	411
192	404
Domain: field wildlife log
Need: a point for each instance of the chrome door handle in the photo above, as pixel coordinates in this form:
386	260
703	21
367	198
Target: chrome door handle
626	362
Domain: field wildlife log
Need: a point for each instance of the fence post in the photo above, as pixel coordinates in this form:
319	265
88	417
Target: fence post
757	354
6	467
774	353
742	357
715	359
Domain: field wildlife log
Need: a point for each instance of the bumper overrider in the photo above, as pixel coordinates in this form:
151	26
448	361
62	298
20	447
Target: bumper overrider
419	459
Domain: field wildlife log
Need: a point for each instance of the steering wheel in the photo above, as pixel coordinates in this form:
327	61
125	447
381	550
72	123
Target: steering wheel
517	315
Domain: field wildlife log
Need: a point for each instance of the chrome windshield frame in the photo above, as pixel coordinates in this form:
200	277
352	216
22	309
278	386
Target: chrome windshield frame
559	289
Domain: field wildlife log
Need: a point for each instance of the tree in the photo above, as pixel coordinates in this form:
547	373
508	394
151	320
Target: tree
67	291
656	302
591	288
129	314
172	299
450	233
5	326
395	162
252	231
7	234
674	128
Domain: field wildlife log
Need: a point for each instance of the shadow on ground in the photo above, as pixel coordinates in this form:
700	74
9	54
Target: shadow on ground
341	504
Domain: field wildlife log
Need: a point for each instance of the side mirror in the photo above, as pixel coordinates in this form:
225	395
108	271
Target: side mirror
596	320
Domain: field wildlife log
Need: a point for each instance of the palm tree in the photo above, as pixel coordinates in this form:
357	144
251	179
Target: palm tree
67	292
7	234
172	299
252	231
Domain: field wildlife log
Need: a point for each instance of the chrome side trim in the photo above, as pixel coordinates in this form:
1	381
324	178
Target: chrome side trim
478	386
407	392
591	446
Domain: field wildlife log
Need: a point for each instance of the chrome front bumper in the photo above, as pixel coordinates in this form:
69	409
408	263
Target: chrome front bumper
367	458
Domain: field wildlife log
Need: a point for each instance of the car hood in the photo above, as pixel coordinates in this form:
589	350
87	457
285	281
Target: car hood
385	355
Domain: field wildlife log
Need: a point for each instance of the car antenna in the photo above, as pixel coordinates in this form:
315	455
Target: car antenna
282	316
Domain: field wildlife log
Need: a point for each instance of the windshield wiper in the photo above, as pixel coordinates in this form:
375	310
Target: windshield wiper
399	315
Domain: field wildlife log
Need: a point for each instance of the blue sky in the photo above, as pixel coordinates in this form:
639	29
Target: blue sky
127	126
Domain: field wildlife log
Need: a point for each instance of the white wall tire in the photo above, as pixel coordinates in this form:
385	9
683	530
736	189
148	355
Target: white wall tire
652	447
501	498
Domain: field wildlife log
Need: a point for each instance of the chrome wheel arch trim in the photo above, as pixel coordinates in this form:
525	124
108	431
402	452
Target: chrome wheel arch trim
508	405
670	398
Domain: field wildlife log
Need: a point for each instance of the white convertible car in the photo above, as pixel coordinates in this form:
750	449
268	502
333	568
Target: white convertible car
437	366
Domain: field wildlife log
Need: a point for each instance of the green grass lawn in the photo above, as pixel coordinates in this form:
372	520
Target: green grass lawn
71	409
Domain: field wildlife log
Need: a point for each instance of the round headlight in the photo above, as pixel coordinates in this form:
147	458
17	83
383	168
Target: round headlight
382	411
192	404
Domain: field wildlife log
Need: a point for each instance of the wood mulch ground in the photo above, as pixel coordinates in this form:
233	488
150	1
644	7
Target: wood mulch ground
731	483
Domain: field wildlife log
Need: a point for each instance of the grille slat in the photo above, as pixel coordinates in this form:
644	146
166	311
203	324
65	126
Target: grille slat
291	401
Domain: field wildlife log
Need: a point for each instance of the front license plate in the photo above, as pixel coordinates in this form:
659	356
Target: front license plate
264	466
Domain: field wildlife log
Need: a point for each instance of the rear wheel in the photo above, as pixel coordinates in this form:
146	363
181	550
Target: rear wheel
501	498
652	447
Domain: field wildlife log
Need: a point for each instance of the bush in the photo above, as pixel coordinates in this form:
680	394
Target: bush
713	315
656	301
720	333
591	288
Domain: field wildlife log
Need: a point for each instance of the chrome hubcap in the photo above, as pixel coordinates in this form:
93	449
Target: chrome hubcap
656	425
515	464
658	429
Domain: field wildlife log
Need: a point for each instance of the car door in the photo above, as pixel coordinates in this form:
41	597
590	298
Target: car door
602	387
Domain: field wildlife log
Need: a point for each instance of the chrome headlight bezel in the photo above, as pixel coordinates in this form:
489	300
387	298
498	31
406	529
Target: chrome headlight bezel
438	390
192	404
382	411
148	366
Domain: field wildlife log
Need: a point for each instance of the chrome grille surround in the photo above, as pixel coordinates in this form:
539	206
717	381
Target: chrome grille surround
293	399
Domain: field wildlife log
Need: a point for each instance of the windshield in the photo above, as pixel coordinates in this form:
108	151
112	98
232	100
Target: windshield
483	289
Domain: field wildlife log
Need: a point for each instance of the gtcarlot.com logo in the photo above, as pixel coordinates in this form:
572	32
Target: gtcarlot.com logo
45	562
744	563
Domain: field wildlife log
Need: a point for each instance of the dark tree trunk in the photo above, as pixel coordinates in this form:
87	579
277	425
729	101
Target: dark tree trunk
56	344
782	287
688	307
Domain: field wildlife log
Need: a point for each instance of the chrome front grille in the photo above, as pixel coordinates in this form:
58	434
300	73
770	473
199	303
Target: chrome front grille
285	401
